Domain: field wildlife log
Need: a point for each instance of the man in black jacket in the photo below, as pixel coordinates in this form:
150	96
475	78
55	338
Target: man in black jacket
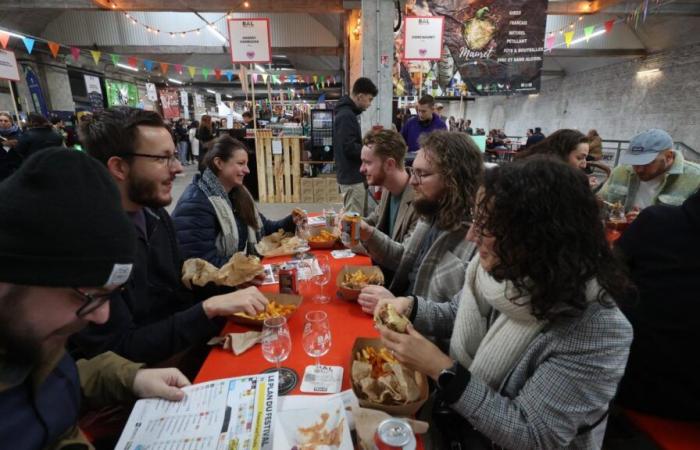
347	144
661	248
155	317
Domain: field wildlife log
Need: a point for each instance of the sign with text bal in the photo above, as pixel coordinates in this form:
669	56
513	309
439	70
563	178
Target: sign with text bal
423	38
8	66
250	40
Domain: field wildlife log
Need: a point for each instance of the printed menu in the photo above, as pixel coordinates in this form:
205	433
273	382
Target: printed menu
233	413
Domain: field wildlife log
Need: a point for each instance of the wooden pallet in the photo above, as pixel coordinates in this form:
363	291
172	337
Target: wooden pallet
279	176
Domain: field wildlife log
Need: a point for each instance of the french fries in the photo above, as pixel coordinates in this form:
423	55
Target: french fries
323	237
377	358
358	279
273	309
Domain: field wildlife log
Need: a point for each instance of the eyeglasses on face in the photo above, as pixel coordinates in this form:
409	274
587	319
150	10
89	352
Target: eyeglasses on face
418	174
92	302
168	160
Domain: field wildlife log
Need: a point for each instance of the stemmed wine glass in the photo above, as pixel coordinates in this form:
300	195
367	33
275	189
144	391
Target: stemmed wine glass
317	336
276	346
323	278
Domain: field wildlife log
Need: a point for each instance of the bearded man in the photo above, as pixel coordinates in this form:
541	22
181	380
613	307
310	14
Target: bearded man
445	175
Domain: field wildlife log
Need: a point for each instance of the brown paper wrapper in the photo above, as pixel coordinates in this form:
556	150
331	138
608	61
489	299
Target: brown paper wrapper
237	342
278	244
238	270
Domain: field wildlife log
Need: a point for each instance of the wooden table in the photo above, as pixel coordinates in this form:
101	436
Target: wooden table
346	319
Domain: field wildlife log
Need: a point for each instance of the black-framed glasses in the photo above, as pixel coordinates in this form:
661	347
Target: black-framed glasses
419	174
92	302
169	160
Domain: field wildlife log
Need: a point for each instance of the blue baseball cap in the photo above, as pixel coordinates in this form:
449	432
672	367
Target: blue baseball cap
644	147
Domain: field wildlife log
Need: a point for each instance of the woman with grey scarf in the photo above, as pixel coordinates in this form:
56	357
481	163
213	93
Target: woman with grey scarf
537	343
216	216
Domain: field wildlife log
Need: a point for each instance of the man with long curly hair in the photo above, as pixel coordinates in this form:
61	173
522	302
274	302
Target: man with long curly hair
446	174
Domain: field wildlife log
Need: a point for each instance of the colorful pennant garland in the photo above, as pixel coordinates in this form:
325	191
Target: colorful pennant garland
192	71
164	68
28	44
96	55
178	69
75	53
54	47
115	59
4	39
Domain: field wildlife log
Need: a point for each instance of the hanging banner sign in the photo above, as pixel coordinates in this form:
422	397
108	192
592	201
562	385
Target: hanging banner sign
151	92
170	101
422	39
184	99
94	91
120	93
217	98
36	92
8	66
250	40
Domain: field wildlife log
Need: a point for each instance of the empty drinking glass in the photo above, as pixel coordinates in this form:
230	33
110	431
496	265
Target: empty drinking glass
323	278
317	335
276	346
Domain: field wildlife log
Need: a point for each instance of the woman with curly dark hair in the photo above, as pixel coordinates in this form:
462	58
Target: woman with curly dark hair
570	146
445	175
537	345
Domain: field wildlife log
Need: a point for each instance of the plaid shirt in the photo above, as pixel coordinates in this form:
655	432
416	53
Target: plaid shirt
440	275
557	394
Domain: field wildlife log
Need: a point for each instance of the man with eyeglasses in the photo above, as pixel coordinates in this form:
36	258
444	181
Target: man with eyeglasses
155	318
445	175
65	246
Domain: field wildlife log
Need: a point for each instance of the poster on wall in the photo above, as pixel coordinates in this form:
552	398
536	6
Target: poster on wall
120	93
199	109
170	101
94	91
250	40
423	38
490	47
35	90
184	99
151	93
8	66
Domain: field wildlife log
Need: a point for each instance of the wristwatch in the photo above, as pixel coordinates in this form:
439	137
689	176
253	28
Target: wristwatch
446	376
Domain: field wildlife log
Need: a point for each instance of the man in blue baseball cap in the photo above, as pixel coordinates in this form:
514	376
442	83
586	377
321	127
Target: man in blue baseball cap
651	173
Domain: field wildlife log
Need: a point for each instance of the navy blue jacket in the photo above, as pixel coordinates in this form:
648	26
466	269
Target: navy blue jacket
155	317
34	417
197	227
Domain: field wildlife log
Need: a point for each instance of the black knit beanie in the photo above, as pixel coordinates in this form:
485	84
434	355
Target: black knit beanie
62	224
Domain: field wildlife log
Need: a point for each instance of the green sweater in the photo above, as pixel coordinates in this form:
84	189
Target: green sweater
679	183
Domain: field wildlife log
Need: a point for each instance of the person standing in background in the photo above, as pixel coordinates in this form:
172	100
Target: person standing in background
194	142
425	122
205	135
181	140
347	144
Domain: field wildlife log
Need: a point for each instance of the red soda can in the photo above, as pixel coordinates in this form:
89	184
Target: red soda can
395	434
288	279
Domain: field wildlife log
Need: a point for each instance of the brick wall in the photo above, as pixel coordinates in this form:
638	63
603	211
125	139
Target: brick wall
615	100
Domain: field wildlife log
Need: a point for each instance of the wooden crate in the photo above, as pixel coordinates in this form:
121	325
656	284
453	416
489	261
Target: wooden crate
279	176
307	190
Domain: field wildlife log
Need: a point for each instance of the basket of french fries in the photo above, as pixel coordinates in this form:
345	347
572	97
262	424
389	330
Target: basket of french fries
323	237
279	305
351	280
380	382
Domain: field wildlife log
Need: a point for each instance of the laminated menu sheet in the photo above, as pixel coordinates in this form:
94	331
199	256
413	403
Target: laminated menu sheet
233	413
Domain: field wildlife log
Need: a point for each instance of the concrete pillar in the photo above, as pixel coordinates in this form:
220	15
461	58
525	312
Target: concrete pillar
378	59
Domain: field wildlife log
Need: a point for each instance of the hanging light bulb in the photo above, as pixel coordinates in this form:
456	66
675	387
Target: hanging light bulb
246	4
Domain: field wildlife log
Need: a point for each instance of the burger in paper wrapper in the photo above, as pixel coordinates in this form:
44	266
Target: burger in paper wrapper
238	270
278	244
390	318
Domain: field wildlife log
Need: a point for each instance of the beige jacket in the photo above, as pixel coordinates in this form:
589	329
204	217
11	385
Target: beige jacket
406	217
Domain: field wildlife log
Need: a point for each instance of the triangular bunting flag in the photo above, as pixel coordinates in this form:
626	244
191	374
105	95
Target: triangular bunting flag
307	79
323	80
164	68
549	41
4	39
205	72
315	78
254	77
609	25
115	59
192	71
264	77
588	31
28	44
229	75
217	73
148	64
75	53
54	47
96	54
568	37
178	68
283	79
133	62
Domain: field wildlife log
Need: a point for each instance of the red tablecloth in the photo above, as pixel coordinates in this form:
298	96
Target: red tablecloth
346	319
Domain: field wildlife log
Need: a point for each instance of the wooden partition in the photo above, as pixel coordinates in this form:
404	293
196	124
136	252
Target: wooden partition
279	167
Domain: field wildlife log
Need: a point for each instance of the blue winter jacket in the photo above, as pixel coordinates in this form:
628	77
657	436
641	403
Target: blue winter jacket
197	226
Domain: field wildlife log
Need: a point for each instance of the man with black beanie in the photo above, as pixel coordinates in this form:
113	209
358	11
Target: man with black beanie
65	246
154	318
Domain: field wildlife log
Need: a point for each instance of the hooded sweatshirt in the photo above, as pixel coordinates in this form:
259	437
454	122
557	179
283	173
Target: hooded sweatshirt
347	141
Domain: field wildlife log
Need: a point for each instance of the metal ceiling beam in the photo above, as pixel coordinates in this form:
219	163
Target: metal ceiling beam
595	53
290	6
212	50
668	9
